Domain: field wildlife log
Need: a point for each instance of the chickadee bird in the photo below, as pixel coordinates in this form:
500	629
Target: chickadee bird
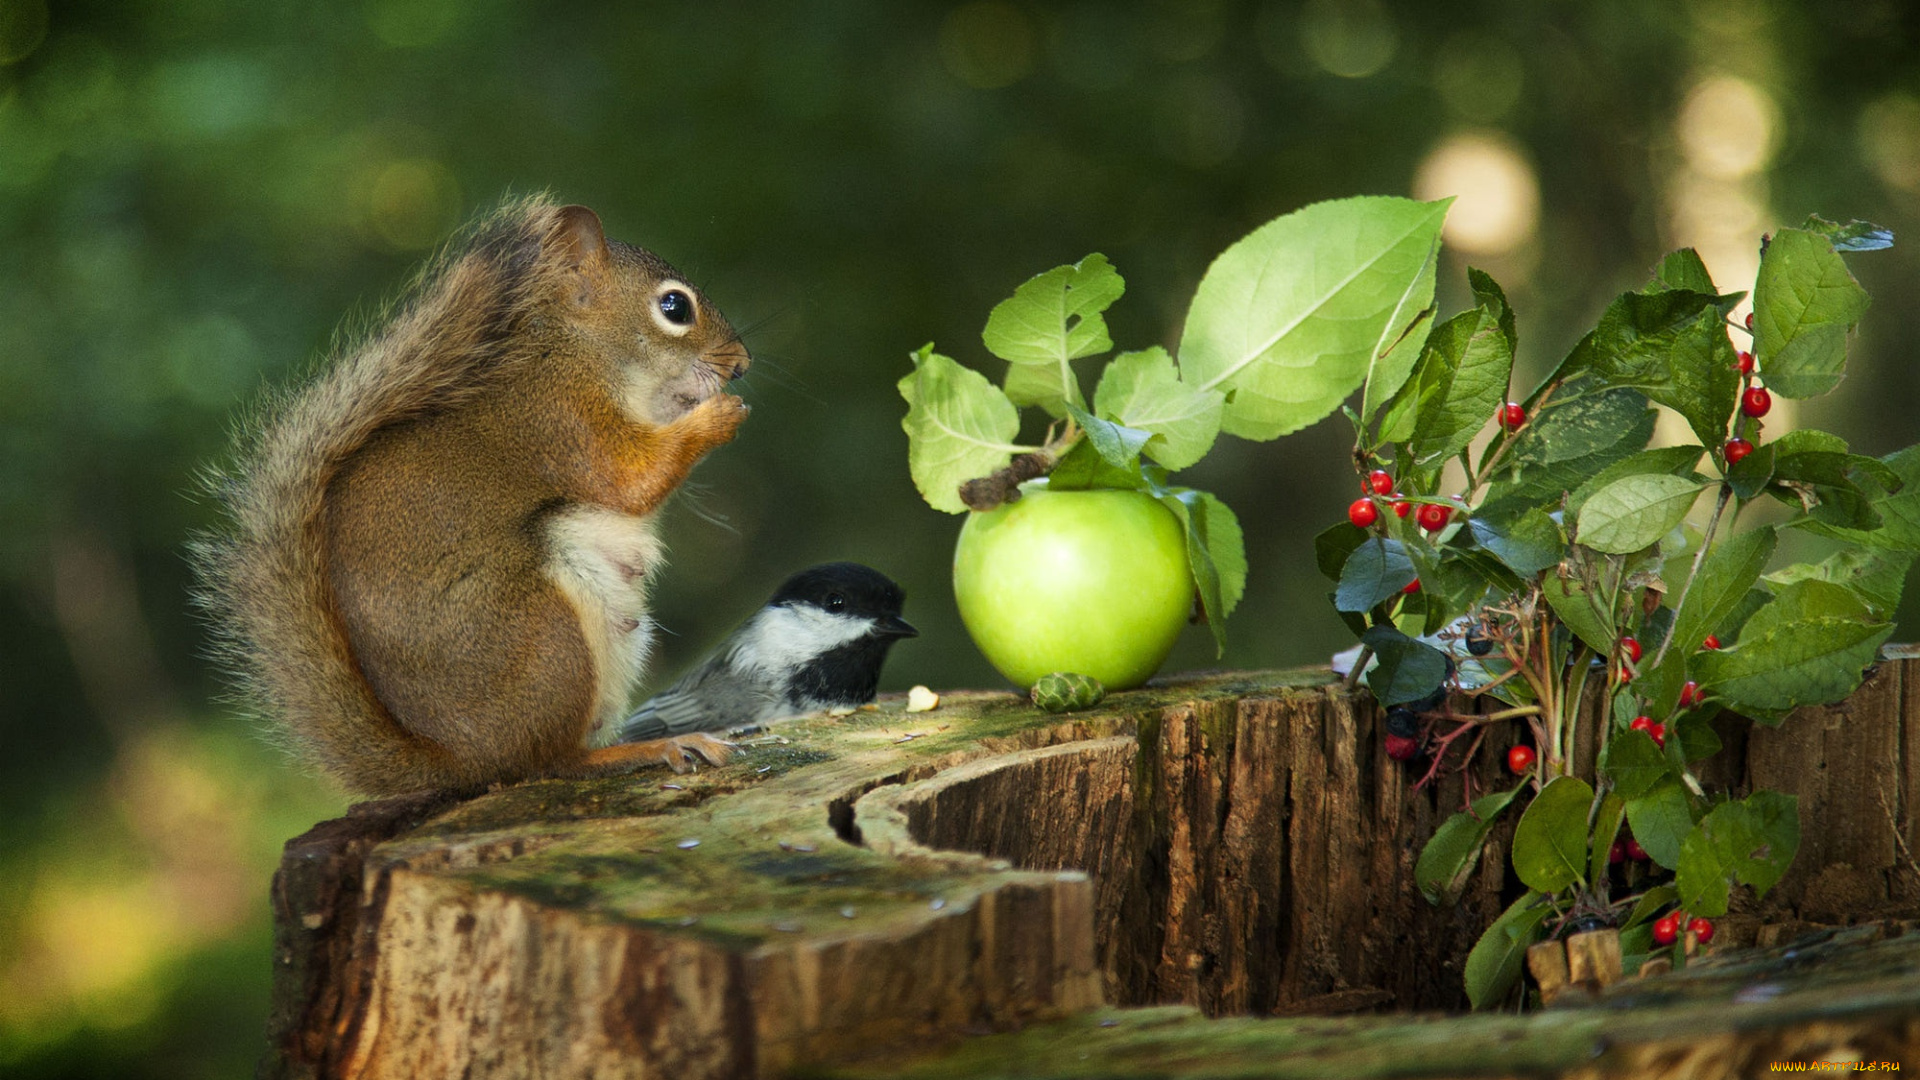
818	644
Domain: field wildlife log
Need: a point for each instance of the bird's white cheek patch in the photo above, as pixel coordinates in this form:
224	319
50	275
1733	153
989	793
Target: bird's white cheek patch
782	638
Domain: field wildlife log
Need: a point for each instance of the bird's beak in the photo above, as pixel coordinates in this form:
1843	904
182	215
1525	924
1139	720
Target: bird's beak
894	626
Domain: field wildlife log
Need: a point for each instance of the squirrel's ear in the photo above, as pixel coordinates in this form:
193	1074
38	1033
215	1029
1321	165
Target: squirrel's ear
581	240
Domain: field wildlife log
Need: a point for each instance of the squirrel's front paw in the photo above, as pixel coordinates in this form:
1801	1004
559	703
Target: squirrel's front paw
718	417
683	750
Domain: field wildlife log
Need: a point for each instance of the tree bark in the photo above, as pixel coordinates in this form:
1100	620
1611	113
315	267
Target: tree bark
1237	843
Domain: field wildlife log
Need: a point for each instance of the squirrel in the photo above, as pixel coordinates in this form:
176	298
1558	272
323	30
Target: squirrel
435	571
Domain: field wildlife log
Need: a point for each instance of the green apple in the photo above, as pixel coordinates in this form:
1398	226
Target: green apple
1094	582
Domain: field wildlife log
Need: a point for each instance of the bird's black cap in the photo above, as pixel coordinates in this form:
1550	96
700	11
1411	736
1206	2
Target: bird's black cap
850	588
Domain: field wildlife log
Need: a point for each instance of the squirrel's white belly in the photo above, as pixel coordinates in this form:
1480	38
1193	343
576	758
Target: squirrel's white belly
602	561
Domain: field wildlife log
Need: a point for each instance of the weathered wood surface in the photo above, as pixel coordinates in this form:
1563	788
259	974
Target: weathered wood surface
1841	997
1238	843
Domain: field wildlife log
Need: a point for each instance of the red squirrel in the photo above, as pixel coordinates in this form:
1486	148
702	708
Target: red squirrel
435	574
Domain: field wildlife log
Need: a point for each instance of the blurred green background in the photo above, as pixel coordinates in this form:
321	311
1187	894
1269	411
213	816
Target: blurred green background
195	193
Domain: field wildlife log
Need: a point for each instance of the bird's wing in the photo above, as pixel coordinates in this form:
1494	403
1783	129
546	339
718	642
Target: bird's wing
712	697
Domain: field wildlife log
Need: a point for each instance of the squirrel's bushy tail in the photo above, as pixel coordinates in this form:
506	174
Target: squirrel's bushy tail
264	576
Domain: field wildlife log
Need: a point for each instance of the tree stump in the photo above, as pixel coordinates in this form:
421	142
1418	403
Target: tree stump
1234	843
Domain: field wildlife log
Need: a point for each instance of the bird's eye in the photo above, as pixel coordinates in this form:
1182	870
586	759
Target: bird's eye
677	307
836	602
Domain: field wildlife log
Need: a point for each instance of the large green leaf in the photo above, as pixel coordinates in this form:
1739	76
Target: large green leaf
1217	551
1460	380
1805	302
959	427
1634	512
1578	423
1408	670
1633	764
1376	570
1876	575
1588	615
1143	390
1671	460
1661	819
1291	317
1725	576
1809	646
1493	965
1528	543
1051	320
1455	848
1550	842
1897	504
1752	841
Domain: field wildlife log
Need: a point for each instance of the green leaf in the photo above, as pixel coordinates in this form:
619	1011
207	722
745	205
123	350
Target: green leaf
1216	550
1143	390
1634	512
1661	820
1650	904
1805	302
1376	570
1528	544
1898	506
1493	966
1855	235
1488	294
1726	574
1668	460
1591	419
1292	317
1683	269
1052	319
1455	848
1752	841
1460	380
1876	575
1332	547
1809	646
1633	764
1408	670
1117	444
959	427
1397	350
1530	483
1082	467
1583	613
1550	842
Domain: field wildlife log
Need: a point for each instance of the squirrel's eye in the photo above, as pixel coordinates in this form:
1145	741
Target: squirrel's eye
836	602
677	307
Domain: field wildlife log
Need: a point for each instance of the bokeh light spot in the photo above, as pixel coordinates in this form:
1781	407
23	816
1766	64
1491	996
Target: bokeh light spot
987	45
1727	128
1890	140
414	203
23	26
1497	194
1349	38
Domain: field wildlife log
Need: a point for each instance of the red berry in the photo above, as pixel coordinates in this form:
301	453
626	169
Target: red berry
1363	513
1625	674
1411	587
1631	647
1642	723
1513	416
1617	853
1737	449
1659	733
1749	320
1666	929
1712	642
1402	747
1689	694
1756	401
1743	363
1701	929
1401	508
1433	518
1381	481
1635	851
1520	758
